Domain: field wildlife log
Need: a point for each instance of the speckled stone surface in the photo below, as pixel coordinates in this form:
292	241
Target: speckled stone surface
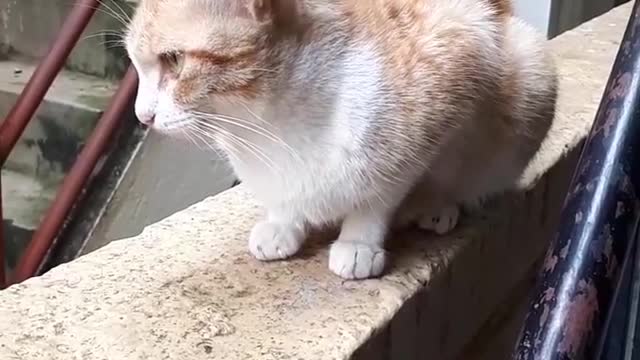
188	289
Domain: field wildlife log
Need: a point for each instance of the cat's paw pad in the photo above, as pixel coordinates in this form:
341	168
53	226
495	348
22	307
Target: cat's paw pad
270	241
443	222
355	260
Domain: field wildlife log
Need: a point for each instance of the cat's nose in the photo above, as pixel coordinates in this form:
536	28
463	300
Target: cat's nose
146	118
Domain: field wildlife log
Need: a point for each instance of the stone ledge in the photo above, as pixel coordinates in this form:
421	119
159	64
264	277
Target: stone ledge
187	289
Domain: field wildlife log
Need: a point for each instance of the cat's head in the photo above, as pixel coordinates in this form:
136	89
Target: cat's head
196	57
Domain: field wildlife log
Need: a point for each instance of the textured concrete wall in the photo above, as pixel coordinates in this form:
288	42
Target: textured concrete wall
29	26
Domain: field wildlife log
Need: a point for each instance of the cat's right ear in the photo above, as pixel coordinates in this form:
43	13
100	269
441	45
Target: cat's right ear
260	10
274	11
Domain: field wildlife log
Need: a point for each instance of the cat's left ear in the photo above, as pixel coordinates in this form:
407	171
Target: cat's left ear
273	10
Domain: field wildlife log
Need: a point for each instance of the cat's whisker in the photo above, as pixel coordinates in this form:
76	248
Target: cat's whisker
120	15
292	151
189	138
194	137
228	117
113	41
106	10
249	146
259	154
104	33
208	145
262	70
123	12
205	135
252	113
244	124
232	153
200	141
113	44
252	127
253	149
230	141
388	176
193	127
209	141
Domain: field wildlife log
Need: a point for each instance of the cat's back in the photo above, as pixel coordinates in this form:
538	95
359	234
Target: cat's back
416	40
413	20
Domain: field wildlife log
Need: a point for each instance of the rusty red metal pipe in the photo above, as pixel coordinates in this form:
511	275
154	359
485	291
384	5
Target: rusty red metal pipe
23	110
40	82
32	95
78	177
3	257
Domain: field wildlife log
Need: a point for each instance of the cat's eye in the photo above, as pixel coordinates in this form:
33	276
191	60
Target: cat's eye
173	61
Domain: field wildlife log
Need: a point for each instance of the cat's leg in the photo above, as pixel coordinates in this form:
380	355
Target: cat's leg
428	210
278	237
359	251
439	221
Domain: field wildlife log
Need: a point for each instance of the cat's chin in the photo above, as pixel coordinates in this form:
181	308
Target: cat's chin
179	129
177	133
188	135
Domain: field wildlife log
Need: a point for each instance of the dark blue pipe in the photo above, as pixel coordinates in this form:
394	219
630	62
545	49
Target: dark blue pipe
581	274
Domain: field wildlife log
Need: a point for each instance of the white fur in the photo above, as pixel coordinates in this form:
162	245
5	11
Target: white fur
147	98
316	184
306	152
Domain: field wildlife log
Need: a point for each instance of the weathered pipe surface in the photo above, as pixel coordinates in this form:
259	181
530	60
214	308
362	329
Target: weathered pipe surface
575	291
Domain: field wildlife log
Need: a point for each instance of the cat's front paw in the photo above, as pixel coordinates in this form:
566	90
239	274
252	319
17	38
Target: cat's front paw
272	241
356	260
443	222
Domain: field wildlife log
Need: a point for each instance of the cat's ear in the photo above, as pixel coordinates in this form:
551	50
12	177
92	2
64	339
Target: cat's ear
261	10
276	11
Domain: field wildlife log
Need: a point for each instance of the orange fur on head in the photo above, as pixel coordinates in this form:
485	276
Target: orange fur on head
504	7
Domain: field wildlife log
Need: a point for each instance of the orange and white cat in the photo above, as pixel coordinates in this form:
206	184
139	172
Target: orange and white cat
340	111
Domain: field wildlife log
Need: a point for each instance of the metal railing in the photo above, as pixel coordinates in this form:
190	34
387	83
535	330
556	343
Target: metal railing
95	147
571	311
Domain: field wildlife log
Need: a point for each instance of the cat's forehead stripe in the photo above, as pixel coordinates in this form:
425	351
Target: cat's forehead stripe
220	59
